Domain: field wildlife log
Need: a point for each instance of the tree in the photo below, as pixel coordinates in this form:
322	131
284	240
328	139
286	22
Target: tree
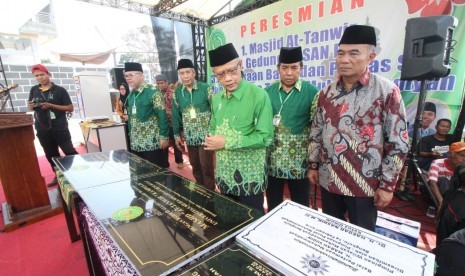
141	47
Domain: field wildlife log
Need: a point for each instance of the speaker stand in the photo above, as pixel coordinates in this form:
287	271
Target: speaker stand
414	172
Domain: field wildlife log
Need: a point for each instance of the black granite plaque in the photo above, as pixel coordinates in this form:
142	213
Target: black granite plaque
234	260
89	170
161	221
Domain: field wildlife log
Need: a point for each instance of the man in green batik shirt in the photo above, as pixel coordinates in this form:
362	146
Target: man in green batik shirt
191	109
291	99
147	122
240	130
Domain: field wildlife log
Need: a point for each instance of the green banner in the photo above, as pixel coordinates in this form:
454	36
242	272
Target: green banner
317	26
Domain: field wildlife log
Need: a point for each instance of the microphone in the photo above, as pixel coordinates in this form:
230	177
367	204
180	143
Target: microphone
8	88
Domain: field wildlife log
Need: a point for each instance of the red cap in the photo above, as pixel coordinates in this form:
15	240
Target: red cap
457	146
39	67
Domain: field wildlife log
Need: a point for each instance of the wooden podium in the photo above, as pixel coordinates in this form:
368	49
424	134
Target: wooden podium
27	197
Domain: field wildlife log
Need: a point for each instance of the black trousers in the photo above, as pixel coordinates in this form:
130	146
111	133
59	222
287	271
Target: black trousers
153	156
177	153
361	210
254	201
126	134
53	139
299	190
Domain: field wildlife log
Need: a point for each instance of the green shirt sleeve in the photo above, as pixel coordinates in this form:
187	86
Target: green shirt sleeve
262	136
176	116
212	128
210	95
314	105
159	107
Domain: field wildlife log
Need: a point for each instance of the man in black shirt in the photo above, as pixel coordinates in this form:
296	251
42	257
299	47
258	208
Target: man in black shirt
435	146
50	103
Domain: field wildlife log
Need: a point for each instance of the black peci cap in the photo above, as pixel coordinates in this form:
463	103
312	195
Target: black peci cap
185	63
429	106
133	66
222	55
359	34
290	55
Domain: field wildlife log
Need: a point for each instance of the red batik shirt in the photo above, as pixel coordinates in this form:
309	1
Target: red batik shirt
359	138
168	96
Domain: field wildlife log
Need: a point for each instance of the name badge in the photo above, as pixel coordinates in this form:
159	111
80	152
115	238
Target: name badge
52	115
134	110
276	120
192	113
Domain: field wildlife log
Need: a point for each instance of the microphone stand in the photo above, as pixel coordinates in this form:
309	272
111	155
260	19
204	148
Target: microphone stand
4	101
6	93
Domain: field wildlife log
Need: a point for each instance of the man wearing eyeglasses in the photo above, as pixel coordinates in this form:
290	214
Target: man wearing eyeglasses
287	159
240	130
148	122
191	110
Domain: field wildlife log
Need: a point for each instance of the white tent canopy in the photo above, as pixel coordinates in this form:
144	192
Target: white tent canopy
16	13
80	32
96	58
200	9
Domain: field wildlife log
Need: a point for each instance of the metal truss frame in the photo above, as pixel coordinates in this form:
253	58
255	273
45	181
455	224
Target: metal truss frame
255	5
162	10
200	60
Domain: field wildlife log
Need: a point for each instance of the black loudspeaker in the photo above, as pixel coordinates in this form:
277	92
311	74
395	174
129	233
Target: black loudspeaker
117	77
427	47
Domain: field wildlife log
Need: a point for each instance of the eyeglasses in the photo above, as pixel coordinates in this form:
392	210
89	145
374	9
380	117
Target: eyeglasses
129	76
230	72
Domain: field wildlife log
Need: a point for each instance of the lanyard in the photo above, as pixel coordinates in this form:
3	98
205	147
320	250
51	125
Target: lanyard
134	108
192	100
42	92
281	99
135	98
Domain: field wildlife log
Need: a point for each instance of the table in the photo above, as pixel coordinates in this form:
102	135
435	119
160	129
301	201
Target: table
69	199
104	136
159	221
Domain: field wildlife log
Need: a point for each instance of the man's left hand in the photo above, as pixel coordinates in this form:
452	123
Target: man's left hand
214	142
382	198
164	144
